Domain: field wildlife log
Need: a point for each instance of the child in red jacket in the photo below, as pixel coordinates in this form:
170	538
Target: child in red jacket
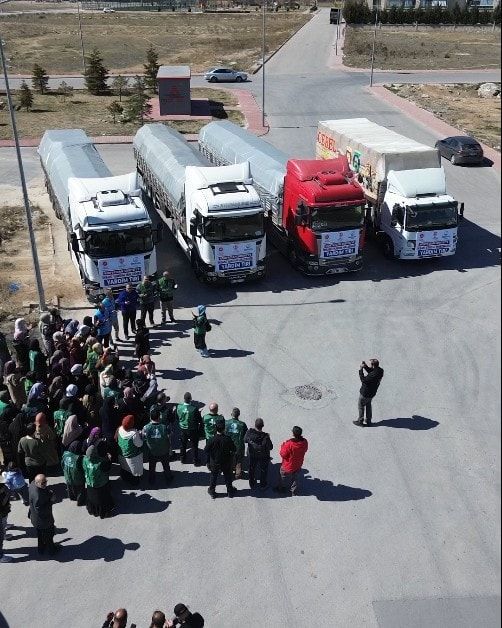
292	453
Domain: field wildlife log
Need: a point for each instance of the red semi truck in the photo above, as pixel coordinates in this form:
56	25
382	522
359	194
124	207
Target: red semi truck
315	207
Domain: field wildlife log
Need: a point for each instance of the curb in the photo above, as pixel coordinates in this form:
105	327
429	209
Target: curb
428	120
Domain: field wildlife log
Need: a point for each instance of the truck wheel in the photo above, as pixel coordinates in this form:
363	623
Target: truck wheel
388	248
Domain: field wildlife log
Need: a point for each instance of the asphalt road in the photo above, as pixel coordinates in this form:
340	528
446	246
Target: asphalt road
397	525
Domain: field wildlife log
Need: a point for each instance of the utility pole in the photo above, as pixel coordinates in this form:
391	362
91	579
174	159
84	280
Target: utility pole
81	36
263	44
31	233
373	46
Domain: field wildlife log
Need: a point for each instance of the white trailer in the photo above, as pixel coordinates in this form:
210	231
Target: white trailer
110	235
409	208
216	214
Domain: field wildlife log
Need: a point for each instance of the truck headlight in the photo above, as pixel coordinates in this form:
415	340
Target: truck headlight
412	244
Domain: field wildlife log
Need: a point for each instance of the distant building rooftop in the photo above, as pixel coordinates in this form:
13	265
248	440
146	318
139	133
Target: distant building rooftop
174	71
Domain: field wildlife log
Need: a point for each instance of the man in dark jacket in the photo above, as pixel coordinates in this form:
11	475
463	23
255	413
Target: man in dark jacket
369	386
40	511
183	617
4	513
259	448
147	291
127	302
220	451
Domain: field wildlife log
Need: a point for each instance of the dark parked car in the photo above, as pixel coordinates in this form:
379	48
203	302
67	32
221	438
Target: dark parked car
461	150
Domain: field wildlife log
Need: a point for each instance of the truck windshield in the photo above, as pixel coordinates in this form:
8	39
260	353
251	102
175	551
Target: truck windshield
230	229
431	217
329	218
113	243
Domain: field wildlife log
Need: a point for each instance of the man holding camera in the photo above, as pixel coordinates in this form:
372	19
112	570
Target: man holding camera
370	377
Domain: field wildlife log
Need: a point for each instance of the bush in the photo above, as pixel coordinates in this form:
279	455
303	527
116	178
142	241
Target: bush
357	12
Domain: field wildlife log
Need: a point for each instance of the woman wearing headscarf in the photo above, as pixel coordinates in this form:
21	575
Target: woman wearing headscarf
201	327
94	437
60	344
20	344
146	366
91	404
46	329
93	355
37	400
104	378
13	380
57	391
61	416
130	445
141	339
47	436
38	364
73	471
113	389
130	404
17	430
97	464
71	328
72	431
6	445
77	352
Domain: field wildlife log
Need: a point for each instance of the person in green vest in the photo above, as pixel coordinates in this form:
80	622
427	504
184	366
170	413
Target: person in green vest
236	429
5	403
201	326
147	292
190	423
61	416
209	420
73	471
38	364
130	445
97	464
158	443
166	287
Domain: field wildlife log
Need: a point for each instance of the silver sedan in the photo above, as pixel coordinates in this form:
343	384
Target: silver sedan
215	75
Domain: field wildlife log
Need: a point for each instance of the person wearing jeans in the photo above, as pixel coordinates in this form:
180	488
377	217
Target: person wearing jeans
369	386
292	453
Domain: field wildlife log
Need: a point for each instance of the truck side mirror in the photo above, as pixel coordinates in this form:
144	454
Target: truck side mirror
74	243
461	211
298	219
393	215
193	227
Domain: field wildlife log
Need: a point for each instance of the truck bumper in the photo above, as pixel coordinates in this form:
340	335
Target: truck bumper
221	279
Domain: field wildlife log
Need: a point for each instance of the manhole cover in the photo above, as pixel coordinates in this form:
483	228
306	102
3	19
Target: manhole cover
308	392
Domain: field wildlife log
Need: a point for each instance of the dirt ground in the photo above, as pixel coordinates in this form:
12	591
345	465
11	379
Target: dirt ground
198	39
18	294
90	113
407	49
460	106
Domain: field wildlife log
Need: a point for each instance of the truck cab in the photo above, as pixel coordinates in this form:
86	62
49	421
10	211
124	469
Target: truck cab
323	214
417	219
225	219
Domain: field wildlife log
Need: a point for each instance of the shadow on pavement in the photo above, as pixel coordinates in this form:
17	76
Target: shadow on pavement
135	503
95	548
3	622
180	373
415	422
229	353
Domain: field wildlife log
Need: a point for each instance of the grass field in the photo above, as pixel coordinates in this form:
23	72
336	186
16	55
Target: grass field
460	106
198	39
25	5
423	49
87	112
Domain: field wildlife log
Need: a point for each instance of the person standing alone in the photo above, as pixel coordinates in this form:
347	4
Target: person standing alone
201	327
369	386
40	512
166	287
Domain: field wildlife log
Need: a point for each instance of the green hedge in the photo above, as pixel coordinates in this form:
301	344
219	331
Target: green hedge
358	12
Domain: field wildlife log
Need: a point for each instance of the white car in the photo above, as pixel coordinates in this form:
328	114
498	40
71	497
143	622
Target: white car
108	10
216	75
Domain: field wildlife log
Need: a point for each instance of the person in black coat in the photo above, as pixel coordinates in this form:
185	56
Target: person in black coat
370	381
220	450
41	499
259	448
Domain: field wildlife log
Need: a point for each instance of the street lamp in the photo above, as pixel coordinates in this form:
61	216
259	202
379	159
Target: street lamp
27	208
263	43
373	46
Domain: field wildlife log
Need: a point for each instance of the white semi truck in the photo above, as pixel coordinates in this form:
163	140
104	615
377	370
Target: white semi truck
216	214
409	209
110	235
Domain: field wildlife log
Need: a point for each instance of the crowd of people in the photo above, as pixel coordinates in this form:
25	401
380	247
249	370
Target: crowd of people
182	617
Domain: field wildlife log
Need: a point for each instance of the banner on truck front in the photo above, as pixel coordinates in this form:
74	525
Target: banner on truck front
434	243
236	256
339	244
117	271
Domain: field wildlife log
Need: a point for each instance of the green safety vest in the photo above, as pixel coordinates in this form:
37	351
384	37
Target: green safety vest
157	438
72	468
95	476
127	447
210	424
200	325
236	429
166	288
60	418
186	416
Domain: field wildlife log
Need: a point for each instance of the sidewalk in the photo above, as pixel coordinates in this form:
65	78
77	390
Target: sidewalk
428	120
246	101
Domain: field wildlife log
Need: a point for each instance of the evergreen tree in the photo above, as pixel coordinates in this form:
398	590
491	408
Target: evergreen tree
96	75
65	90
39	79
151	68
496	14
25	97
119	86
115	109
474	15
138	106
456	14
